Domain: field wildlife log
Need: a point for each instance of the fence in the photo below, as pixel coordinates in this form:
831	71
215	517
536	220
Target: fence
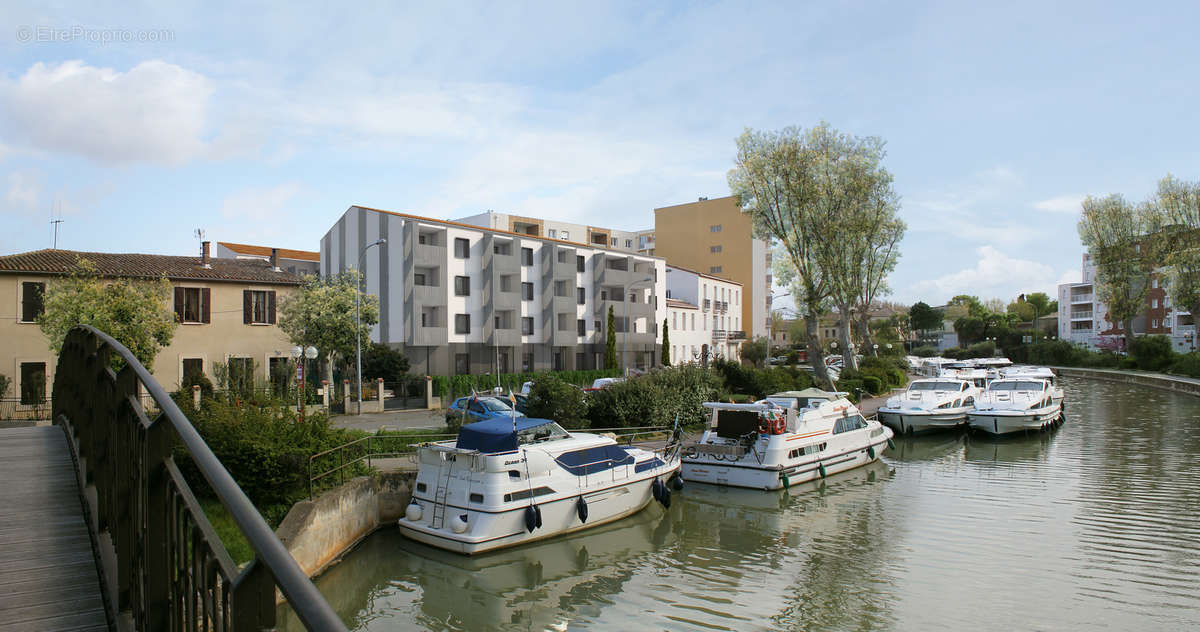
11	409
156	547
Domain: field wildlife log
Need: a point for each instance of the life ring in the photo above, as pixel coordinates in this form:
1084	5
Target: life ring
778	426
692	452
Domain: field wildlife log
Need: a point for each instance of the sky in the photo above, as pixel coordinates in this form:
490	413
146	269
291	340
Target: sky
262	122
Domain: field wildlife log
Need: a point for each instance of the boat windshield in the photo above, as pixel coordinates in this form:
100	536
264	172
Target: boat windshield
495	405
541	434
1021	385
933	386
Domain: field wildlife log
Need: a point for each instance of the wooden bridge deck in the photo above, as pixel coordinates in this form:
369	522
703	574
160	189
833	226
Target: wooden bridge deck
48	576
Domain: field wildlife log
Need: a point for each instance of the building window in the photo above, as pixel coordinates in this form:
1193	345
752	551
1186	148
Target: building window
462	323
560	288
558	360
527	325
629	243
552	234
596	325
462	248
715	228
580	296
462	363
192	304
1154	282
418	278
714	249
527	256
258	307
1154	303
581	327
33	383
422	239
502	248
192	367
562	256
562	321
33	296
714	270
674	320
614	241
579	263
526	362
506	282
527	291
462	286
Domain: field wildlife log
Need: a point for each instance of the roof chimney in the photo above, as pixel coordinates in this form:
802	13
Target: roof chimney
275	259
204	253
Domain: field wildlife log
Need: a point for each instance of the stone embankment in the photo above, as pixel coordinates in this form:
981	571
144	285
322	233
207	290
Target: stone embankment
1156	380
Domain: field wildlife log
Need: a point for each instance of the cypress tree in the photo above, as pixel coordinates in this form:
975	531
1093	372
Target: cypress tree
610	356
666	352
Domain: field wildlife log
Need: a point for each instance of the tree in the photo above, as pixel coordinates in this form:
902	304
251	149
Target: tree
1041	306
1114	232
382	361
321	314
974	306
552	398
1022	309
754	351
666	345
799	187
1176	216
132	311
610	343
924	318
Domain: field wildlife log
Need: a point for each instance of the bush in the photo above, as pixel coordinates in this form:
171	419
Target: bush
1152	353
380	360
683	389
1055	353
985	349
927	351
1187	364
459	385
852	386
1102	360
881	375
873	384
1127	363
627	404
196	379
552	398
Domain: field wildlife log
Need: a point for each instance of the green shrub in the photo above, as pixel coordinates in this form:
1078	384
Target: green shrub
1055	353
627	404
1152	353
879	374
552	398
1187	364
683	389
1102	360
984	349
1127	363
873	384
853	387
927	351
897	378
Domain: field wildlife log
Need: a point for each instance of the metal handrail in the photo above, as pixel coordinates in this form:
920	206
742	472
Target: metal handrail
170	568
344	465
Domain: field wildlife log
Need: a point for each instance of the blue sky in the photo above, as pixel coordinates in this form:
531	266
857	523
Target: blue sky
262	123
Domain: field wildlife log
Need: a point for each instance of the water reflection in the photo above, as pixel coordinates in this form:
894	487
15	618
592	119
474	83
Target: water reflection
1094	525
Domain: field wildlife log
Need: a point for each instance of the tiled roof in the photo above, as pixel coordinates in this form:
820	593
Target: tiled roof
147	266
265	251
680	304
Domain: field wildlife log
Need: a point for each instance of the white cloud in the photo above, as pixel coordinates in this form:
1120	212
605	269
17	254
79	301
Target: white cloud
25	191
267	205
994	275
154	112
1060	204
1072	275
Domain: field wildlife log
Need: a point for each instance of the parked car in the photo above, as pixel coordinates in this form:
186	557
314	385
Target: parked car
470	409
604	382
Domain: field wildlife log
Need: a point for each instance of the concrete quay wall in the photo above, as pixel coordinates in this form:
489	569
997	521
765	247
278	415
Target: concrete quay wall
1154	380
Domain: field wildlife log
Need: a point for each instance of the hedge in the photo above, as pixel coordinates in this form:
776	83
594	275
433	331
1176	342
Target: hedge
460	385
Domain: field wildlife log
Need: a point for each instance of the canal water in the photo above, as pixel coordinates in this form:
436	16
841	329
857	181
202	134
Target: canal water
1093	526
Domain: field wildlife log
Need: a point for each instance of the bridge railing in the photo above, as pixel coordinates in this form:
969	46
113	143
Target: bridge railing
162	565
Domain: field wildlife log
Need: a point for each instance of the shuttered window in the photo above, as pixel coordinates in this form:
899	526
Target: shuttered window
258	307
192	304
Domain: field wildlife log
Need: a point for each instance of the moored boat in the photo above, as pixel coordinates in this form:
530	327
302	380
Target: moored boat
1016	404
788	438
507	482
929	404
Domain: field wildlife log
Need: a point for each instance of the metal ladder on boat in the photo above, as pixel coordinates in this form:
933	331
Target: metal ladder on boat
441	491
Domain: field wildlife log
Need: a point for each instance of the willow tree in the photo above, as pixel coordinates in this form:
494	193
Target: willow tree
1176	214
801	188
1115	234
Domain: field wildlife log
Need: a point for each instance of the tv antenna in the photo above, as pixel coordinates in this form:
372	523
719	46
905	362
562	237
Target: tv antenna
199	234
56	222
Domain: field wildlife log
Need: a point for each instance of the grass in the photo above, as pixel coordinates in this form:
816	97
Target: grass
231	536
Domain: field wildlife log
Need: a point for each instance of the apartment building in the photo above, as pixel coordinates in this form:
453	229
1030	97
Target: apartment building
594	236
703	310
717	238
226	309
460	297
298	262
1084	319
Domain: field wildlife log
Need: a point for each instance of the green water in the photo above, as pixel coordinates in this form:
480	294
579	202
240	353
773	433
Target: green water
1096	526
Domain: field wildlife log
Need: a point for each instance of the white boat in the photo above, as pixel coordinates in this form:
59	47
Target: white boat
786	439
1036	373
1017	404
979	377
930	404
506	482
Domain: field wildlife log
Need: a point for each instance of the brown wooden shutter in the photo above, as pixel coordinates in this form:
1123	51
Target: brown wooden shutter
205	308
179	304
247	307
271	307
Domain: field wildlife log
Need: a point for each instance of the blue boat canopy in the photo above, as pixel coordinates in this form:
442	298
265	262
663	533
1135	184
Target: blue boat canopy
495	435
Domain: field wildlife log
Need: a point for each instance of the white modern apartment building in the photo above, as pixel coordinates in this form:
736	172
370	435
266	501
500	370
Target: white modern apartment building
1083	318
457	297
704	315
627	241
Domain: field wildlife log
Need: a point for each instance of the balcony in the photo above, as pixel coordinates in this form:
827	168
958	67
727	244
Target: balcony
1081	298
1081	315
736	336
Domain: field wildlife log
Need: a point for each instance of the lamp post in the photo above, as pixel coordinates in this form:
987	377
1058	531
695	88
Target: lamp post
625	316
299	354
358	318
769	323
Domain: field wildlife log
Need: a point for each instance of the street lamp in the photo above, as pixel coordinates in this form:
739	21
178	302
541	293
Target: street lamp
298	354
769	319
625	316
358	317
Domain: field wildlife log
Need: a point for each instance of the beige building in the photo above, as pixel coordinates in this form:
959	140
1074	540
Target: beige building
227	310
716	237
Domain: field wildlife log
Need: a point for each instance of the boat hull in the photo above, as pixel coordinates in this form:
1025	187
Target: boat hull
1002	422
746	472
489	531
903	422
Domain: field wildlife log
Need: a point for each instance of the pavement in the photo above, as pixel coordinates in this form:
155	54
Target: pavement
392	419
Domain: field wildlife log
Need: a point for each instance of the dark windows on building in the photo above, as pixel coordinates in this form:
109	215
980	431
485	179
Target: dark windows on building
527	325
33	295
258	307
33	383
560	289
715	228
462	363
714	270
580	295
579	263
462	286
527	291
462	248
581	327
418	278
192	304
714	249
192	366
527	256
462	323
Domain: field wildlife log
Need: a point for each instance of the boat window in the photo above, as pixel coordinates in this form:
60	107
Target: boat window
1021	385
524	493
421	487
591	460
933	386
847	424
969	401
514	474
544	432
476	498
806	450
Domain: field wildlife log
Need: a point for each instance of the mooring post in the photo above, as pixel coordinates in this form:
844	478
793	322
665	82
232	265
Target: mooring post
196	396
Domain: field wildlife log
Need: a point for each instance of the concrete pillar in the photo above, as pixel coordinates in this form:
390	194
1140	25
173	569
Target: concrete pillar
346	395
428	393
379	392
196	396
325	394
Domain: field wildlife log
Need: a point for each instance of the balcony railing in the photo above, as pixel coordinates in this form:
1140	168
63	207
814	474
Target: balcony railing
1081	315
1081	298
